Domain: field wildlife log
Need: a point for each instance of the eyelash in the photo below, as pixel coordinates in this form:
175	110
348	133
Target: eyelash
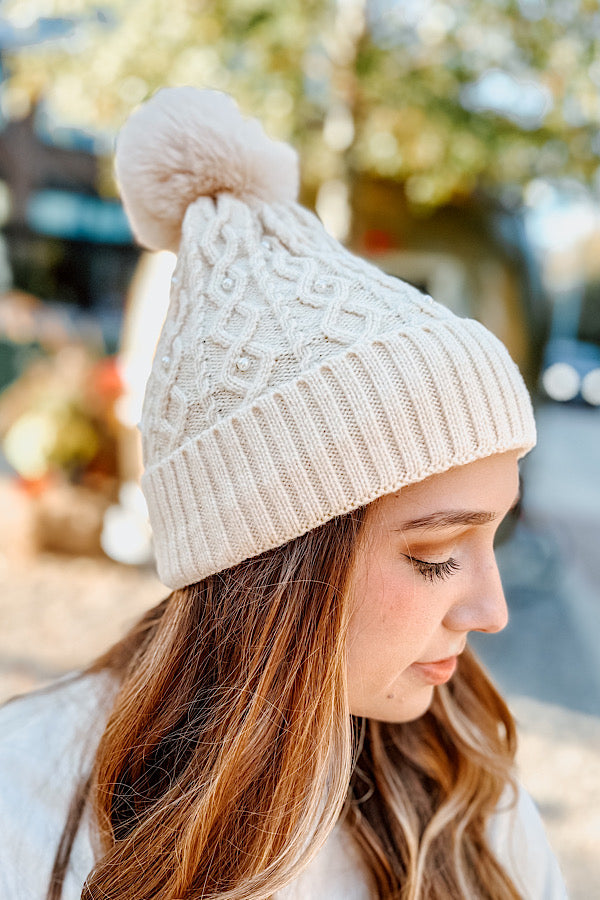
431	570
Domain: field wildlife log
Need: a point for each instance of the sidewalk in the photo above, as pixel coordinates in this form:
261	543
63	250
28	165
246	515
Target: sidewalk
547	669
547	661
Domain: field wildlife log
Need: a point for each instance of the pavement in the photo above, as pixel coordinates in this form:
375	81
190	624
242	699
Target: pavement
547	660
57	613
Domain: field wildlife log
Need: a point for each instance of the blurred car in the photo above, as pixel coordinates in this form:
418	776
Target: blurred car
571	371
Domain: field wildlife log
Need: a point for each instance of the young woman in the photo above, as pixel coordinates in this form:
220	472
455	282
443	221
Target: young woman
328	455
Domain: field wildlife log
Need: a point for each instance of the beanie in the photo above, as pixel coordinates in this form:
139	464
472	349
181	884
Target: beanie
293	381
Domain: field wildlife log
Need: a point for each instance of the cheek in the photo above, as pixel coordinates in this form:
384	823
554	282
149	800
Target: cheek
392	621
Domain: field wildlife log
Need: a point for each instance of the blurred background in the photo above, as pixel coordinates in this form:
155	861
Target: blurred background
456	145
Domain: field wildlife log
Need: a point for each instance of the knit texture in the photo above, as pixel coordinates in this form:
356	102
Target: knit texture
294	382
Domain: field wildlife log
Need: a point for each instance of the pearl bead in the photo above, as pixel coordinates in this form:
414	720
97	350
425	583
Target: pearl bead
166	362
266	243
243	364
321	285
227	283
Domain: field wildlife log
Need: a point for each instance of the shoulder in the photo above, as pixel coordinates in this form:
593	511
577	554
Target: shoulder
47	740
518	838
70	698
337	872
49	733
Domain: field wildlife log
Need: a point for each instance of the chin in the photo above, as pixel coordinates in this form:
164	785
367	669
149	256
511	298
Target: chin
396	710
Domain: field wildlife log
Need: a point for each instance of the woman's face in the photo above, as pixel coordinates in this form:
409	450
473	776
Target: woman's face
425	576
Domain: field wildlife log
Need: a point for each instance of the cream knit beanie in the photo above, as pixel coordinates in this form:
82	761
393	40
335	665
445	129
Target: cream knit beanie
292	381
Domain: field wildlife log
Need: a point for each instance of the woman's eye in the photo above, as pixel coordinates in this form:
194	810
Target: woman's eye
431	570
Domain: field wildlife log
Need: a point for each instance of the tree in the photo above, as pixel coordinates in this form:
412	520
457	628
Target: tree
446	97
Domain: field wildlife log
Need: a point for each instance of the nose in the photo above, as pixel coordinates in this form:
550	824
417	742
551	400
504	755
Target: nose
482	607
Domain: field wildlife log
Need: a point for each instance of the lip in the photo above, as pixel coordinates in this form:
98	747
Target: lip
437	672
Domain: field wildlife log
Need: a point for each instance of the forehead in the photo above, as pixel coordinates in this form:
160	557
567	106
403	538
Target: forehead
486	485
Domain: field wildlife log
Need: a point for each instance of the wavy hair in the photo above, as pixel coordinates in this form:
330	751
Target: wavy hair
230	751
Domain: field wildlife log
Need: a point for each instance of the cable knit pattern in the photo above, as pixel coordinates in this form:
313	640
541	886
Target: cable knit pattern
294	382
259	315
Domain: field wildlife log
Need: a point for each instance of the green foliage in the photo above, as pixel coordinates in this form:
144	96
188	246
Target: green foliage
413	80
404	84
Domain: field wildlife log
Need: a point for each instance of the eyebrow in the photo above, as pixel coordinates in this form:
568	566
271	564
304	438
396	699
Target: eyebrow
448	518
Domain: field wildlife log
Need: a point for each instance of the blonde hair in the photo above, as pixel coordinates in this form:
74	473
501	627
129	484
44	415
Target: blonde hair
230	752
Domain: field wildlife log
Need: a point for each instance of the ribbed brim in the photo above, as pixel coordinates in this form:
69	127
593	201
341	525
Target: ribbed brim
364	424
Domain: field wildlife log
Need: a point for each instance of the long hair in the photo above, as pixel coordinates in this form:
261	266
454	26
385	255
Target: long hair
230	751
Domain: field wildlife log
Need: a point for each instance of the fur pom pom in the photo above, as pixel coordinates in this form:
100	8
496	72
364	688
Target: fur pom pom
186	143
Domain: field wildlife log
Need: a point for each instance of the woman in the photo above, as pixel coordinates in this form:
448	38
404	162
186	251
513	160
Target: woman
328	456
